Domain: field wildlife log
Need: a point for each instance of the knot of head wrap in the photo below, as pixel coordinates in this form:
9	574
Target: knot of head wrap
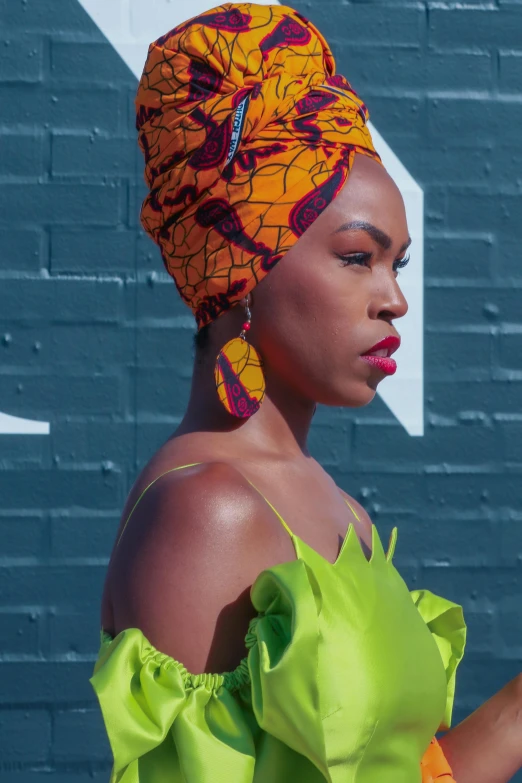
248	134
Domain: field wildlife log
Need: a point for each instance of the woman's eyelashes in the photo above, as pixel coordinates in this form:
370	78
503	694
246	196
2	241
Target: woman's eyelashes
400	263
359	259
364	259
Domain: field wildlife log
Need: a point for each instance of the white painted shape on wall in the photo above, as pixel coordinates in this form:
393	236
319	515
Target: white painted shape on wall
12	425
404	391
131	25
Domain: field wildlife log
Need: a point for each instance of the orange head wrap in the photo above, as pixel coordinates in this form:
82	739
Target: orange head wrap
247	134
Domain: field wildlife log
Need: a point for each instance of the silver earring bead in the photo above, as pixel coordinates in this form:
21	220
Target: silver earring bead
246	325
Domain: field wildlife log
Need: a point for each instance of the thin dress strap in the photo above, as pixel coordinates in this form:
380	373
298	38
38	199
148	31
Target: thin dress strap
278	515
179	467
352	509
192	464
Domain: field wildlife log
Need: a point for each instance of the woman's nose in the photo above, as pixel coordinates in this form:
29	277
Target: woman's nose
390	302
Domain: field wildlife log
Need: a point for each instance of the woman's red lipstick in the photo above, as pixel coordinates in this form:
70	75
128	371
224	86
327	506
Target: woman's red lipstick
379	355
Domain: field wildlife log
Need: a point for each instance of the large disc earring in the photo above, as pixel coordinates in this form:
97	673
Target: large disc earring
240	381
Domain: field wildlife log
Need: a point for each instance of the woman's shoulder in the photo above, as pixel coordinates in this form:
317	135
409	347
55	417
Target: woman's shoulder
200	494
186	559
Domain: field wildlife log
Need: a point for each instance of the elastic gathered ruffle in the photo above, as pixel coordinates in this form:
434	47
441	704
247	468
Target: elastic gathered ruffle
152	706
232	681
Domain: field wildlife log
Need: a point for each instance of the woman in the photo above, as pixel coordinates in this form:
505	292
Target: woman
253	628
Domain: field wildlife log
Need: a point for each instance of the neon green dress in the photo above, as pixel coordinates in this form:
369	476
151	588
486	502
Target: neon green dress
347	677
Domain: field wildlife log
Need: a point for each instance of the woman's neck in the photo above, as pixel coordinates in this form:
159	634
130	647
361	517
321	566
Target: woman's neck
280	426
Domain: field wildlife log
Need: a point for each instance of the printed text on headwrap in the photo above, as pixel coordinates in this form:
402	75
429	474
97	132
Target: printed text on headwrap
237	128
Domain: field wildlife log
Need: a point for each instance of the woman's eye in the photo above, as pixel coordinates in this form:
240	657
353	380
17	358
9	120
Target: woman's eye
364	259
401	263
359	259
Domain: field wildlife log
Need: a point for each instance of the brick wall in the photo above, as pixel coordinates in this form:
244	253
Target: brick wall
94	339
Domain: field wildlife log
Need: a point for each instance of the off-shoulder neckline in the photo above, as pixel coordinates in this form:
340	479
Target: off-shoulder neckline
351	541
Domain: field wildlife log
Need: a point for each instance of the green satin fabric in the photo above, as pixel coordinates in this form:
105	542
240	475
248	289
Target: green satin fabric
347	677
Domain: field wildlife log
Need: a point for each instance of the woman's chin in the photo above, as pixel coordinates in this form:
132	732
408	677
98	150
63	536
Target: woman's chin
363	398
357	396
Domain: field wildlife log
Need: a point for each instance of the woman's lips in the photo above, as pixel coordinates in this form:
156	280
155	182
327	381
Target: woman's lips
388	366
379	355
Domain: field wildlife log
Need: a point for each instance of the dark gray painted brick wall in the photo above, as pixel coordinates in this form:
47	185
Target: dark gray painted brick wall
94	339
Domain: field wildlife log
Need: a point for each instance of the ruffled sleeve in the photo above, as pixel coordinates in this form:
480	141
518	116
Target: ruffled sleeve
164	723
167	725
283	666
445	620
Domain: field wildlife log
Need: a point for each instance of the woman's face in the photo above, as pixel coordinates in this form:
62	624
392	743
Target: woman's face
335	294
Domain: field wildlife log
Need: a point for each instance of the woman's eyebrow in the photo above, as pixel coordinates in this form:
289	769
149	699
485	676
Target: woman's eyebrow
376	233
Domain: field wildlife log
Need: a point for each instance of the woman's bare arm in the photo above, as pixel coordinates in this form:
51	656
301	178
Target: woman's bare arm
184	566
487	746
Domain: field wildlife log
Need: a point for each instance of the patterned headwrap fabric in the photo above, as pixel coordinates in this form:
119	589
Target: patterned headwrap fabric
248	134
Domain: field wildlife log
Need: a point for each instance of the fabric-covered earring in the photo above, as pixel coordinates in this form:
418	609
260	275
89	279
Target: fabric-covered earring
238	372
